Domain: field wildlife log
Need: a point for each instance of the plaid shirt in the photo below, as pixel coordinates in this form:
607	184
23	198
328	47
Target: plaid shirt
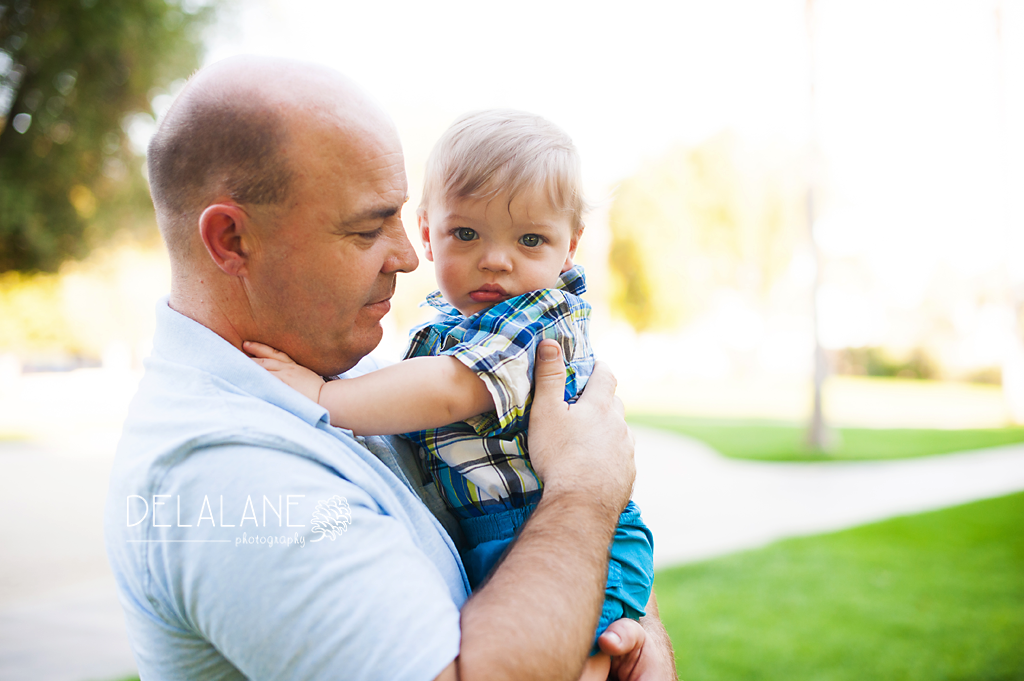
481	465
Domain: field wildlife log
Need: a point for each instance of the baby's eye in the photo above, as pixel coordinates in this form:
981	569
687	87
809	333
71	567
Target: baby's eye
465	233
530	240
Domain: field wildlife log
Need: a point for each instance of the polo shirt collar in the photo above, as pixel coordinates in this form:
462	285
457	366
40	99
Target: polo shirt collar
182	340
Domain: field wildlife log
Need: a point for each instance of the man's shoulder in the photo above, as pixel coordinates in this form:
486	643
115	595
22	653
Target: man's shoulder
255	543
185	425
217	495
181	408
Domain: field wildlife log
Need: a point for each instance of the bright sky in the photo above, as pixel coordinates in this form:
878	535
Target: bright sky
916	154
624	83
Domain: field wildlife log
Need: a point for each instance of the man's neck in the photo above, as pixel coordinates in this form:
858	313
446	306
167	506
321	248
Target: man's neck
204	304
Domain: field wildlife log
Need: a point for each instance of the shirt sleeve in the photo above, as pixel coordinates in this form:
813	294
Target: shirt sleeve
500	344
312	581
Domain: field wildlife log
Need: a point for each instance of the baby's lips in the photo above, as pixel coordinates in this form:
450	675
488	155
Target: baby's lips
487	296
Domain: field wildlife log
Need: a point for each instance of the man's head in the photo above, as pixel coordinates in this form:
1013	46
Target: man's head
278	188
502	208
217	141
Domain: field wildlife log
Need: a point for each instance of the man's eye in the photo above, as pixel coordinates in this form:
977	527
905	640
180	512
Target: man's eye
530	240
465	234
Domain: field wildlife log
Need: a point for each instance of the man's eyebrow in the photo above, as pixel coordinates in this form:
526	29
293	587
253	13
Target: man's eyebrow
382	213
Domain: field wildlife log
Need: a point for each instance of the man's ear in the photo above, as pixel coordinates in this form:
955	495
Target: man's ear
573	243
222	227
421	220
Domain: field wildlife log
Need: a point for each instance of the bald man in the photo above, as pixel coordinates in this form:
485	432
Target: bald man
249	538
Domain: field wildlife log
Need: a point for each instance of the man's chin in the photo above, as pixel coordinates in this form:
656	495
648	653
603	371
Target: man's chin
356	349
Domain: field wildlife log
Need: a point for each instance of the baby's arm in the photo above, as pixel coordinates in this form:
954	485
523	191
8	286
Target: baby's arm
418	393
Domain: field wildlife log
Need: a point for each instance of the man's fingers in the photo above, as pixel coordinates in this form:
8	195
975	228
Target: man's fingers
622	637
601	385
264	351
624	640
549	375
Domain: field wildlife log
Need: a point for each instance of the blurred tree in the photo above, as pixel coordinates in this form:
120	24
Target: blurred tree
878	361
73	73
722	215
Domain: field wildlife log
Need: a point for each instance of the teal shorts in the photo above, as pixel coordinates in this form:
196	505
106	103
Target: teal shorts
630	562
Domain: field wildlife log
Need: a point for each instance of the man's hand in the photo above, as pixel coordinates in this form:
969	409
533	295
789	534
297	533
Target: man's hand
283	367
589	451
641	651
534	618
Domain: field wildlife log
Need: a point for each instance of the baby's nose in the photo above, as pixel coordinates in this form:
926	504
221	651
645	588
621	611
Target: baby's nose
496	259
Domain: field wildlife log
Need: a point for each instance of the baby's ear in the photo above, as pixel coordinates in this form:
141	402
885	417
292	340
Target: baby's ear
421	220
575	240
573	243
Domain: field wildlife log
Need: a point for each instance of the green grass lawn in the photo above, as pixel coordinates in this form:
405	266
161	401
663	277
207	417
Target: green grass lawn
777	441
926	597
937	596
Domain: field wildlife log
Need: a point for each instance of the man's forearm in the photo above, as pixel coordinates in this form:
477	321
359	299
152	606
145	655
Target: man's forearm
535	617
657	635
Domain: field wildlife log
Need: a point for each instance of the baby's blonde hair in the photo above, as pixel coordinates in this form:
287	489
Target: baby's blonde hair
485	153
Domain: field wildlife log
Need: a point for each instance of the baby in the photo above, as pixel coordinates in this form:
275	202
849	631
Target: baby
501	218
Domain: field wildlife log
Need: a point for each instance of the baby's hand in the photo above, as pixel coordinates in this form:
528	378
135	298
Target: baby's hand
284	367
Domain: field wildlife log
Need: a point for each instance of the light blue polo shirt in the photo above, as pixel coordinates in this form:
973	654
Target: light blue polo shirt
250	538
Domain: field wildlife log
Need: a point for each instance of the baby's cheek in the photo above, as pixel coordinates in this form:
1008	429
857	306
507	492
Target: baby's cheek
450	276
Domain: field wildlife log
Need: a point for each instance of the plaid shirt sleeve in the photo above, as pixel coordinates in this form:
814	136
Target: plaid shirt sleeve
500	343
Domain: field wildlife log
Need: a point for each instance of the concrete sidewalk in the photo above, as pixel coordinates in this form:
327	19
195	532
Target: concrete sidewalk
73	634
700	504
60	619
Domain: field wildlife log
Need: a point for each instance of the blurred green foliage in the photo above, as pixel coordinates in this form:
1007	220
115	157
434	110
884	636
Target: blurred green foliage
932	596
77	314
872	361
72	75
991	375
725	214
32	310
772	441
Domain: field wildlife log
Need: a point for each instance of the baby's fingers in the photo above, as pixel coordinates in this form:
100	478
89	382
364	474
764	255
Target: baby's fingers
265	352
271	364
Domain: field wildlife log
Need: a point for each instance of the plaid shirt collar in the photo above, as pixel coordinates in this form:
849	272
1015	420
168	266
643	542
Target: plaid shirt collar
571	280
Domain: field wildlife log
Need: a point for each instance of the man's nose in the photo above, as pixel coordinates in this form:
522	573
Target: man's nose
403	257
495	259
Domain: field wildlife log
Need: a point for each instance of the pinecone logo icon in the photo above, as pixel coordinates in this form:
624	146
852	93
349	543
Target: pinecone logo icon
331	518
